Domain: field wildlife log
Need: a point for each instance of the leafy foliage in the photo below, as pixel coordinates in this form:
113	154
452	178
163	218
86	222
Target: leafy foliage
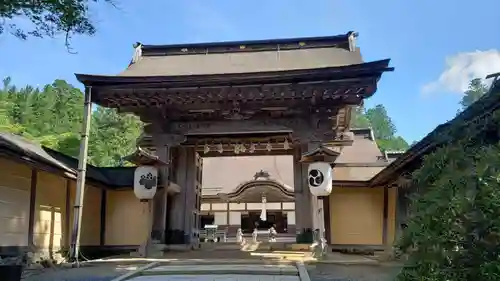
48	17
475	91
454	226
382	125
53	117
114	136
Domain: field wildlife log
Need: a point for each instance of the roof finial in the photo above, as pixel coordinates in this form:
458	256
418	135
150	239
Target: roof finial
352	40
137	52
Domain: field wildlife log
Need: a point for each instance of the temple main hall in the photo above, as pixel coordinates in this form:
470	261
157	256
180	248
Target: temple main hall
232	188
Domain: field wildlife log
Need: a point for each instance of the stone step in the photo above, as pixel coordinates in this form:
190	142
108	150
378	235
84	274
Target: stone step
151	254
220	246
268	269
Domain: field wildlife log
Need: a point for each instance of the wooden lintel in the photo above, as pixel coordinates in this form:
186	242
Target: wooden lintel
254	96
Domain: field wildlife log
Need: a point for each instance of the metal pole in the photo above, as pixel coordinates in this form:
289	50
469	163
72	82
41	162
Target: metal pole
80	181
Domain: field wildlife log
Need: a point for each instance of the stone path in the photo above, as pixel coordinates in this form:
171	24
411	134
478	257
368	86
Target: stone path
211	277
335	272
101	272
220	271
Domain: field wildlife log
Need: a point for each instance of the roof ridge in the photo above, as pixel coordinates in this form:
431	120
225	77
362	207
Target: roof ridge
283	40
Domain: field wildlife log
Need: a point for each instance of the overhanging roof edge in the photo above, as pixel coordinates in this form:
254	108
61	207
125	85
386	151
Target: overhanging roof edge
373	67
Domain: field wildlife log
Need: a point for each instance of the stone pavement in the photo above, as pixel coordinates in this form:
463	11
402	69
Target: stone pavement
208	277
218	270
98	272
338	272
185	265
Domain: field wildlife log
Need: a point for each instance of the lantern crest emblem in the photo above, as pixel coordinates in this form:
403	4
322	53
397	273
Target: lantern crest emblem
145	182
148	181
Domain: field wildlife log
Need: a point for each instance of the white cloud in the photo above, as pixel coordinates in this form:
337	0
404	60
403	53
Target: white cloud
463	67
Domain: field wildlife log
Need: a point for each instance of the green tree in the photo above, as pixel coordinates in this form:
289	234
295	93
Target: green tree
53	117
113	136
358	118
382	125
48	18
454	225
475	91
6	124
384	129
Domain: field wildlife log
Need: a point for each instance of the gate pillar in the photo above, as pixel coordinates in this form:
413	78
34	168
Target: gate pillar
186	204
163	151
303	198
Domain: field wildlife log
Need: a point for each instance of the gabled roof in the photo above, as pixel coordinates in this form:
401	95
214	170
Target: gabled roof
21	145
110	177
243	56
364	148
143	157
487	104
322	154
271	186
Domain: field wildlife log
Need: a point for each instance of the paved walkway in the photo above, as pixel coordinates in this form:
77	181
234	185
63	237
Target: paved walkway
232	271
208	277
102	272
338	272
215	265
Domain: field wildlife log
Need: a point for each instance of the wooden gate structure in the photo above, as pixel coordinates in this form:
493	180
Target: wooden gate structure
284	96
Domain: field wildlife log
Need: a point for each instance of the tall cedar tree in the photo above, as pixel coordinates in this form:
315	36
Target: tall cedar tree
384	129
53	117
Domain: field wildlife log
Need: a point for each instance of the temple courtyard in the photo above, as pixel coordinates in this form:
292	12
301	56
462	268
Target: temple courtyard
217	269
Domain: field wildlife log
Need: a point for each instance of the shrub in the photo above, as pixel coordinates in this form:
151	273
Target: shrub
454	225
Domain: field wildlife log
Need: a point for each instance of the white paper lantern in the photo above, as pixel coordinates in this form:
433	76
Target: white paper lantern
319	178
263	213
145	182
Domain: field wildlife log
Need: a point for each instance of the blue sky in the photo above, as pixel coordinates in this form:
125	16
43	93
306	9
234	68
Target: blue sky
435	46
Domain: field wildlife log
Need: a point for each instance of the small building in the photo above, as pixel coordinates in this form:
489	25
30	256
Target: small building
37	193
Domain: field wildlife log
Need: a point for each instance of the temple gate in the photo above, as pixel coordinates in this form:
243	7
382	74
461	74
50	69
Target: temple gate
273	97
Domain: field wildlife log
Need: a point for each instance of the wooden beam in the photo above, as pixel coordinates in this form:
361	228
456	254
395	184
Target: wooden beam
102	229
256	153
32	206
385	223
200	104
67	210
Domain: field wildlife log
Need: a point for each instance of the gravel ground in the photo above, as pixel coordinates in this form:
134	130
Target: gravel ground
102	272
331	272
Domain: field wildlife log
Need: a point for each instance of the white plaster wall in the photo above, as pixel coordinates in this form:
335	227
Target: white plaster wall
234	218
220	218
290	216
219	206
